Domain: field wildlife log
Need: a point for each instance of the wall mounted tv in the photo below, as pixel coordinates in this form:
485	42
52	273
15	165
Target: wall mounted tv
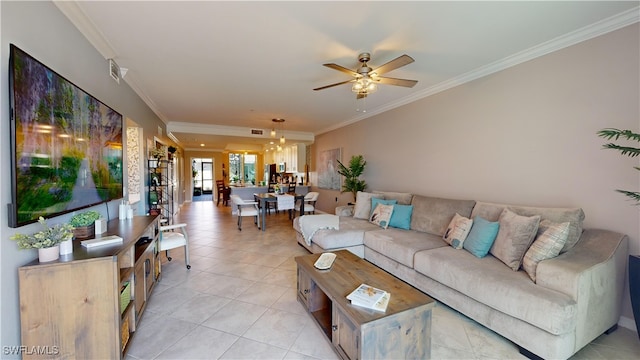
66	145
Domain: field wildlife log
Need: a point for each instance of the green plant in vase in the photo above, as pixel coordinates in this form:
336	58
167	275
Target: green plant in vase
49	237
84	218
84	224
352	182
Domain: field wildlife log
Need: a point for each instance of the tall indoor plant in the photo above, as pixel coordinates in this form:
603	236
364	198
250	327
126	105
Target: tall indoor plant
634	260
352	182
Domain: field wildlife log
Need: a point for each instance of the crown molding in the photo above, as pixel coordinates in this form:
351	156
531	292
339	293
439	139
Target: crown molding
596	29
73	11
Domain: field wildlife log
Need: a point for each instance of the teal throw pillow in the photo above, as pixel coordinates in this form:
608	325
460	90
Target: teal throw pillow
376	201
481	236
401	216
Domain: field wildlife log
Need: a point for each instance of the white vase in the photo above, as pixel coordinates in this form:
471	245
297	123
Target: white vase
49	254
66	247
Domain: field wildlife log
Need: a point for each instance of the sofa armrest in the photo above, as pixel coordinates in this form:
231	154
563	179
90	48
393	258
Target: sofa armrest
345	210
592	273
595	248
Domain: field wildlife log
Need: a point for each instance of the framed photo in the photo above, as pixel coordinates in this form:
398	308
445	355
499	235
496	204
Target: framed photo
328	176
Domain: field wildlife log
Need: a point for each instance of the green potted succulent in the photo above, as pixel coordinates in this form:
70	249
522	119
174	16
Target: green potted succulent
84	224
46	241
352	182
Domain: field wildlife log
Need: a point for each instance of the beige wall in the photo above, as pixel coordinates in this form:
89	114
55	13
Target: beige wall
41	30
526	135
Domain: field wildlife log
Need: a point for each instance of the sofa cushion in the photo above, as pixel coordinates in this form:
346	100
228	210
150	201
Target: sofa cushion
457	231
575	217
362	209
481	236
401	216
401	245
400	197
432	215
489	282
514	237
381	215
551	238
376	201
350	233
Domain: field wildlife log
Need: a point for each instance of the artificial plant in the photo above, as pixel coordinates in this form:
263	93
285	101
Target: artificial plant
351	174
616	134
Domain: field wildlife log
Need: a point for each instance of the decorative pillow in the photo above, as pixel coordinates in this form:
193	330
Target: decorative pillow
515	235
376	201
381	215
481	236
457	231
551	238
362	209
575	217
401	216
403	198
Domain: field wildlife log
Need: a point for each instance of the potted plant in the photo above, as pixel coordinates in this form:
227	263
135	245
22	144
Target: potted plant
84	224
155	155
46	241
171	150
634	260
351	174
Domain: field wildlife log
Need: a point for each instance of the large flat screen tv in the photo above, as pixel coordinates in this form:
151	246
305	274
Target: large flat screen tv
66	145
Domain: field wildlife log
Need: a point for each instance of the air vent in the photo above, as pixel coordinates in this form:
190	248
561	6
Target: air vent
256	132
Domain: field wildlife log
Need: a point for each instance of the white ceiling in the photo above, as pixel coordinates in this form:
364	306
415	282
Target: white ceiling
213	70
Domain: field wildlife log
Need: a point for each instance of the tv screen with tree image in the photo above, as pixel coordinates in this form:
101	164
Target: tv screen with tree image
66	145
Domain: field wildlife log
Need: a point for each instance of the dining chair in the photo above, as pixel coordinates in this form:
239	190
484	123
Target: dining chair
172	237
245	208
309	203
223	192
271	205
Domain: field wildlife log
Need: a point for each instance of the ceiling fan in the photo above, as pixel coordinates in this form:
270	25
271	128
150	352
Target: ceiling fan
366	79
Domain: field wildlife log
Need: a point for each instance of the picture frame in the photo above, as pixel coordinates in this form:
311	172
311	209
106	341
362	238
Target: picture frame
328	176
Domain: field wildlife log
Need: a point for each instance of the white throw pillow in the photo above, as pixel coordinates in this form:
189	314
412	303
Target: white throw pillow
381	215
457	231
362	209
551	238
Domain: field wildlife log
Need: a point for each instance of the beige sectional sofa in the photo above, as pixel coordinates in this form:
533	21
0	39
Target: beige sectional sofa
575	298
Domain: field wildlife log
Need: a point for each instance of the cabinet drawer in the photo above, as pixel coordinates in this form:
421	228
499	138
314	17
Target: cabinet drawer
304	287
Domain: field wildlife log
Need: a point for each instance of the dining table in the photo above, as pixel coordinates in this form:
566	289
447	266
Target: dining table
263	198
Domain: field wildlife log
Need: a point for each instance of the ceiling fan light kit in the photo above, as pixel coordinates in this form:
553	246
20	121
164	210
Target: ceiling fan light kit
366	79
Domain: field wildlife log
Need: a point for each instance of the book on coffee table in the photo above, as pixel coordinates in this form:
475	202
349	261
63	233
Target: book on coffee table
370	297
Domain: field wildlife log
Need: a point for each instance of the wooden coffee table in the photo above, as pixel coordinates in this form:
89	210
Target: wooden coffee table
402	332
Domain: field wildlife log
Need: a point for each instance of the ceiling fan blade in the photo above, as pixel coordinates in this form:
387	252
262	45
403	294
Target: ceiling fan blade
332	85
341	68
394	64
396	82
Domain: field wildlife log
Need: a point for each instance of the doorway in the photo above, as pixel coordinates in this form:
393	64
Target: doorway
202	172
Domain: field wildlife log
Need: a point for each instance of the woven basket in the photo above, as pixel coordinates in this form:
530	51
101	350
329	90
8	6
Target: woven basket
85	232
125	332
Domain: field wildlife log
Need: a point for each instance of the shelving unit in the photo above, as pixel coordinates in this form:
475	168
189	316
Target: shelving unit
161	188
88	304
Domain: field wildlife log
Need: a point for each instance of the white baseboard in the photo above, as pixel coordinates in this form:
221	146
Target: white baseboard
627	323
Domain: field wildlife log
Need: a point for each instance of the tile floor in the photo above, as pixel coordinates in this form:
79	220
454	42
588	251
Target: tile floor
238	301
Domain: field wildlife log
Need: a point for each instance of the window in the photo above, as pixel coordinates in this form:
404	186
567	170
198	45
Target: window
242	167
